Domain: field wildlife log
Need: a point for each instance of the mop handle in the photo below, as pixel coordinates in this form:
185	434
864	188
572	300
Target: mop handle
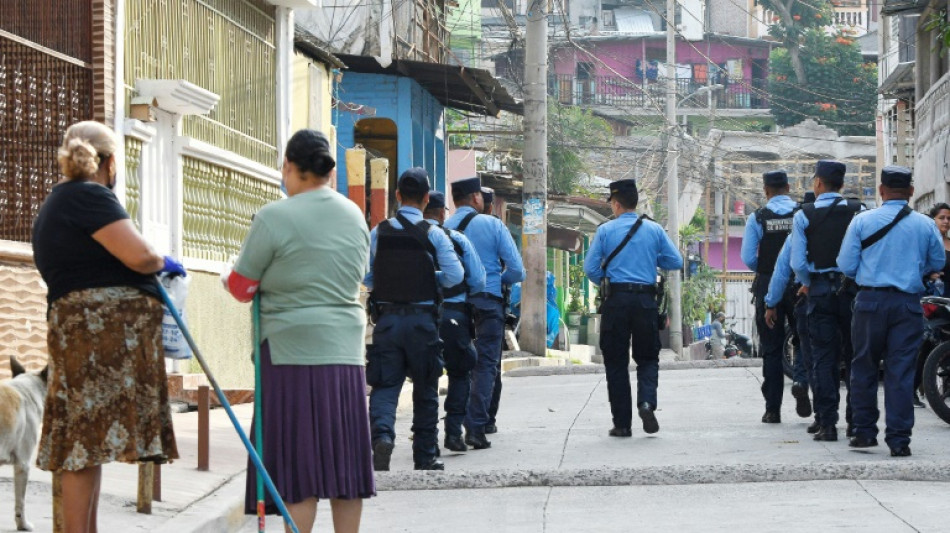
259	420
227	407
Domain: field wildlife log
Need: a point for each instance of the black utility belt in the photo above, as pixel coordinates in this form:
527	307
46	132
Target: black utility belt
882	289
488	295
407	309
632	287
457	306
829	276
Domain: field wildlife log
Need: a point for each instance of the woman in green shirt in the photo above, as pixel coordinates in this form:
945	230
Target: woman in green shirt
307	254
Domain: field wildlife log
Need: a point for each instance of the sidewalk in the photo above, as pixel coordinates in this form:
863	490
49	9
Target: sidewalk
552	467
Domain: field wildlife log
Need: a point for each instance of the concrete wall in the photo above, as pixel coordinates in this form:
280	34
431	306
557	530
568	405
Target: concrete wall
312	96
728	17
932	160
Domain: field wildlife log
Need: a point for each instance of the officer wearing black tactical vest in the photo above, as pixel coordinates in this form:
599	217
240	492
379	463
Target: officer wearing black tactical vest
410	262
817	232
765	233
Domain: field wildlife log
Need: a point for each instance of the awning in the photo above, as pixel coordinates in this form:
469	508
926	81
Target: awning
468	89
313	47
900	81
893	7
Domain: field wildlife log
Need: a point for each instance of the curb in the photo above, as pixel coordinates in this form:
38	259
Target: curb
599	369
221	511
886	470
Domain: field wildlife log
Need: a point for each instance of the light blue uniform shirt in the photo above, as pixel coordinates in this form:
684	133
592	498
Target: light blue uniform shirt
474	271
451	272
800	265
780	205
781	276
494	244
649	248
910	250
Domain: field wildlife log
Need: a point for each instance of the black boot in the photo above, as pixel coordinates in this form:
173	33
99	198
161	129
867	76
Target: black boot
772	417
650	425
814	427
827	433
477	440
620	432
432	464
454	443
802	403
382	453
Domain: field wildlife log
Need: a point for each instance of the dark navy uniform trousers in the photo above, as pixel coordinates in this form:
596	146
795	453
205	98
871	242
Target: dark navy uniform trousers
803	372
887	326
406	343
460	357
829	330
630	317
489	327
771	344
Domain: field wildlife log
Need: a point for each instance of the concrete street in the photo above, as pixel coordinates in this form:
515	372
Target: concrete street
552	468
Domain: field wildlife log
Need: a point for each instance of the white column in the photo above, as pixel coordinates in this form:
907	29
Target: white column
285	53
119	84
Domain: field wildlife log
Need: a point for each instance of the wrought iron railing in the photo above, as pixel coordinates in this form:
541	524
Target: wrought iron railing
61	25
624	92
133	181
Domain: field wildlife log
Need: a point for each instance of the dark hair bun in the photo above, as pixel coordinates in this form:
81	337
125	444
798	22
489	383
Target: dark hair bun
310	151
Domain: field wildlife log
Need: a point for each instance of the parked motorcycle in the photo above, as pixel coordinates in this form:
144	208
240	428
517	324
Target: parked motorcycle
742	344
936	346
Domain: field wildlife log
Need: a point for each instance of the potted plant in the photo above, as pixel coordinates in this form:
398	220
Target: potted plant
575	307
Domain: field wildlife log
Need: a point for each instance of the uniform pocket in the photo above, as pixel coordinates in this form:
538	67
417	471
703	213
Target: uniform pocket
861	306
914	308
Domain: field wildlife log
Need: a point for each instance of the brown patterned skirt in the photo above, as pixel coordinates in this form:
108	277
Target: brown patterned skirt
107	398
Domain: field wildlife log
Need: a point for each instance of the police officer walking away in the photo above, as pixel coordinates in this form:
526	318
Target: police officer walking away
623	259
888	251
409	260
765	233
817	232
503	265
457	328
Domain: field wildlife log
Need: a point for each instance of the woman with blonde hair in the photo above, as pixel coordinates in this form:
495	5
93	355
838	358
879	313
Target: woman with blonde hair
107	398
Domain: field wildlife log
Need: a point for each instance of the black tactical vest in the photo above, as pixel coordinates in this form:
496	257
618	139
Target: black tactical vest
405	265
462	287
826	229
775	229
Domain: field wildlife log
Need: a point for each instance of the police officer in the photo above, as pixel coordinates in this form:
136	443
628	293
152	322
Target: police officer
457	327
410	262
488	198
888	251
503	265
817	231
632	247
765	233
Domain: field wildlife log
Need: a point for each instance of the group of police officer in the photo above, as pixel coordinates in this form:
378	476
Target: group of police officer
436	298
855	300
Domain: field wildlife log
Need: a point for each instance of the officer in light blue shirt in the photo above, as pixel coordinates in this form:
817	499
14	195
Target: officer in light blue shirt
457	328
503	265
629	303
411	262
817	232
888	251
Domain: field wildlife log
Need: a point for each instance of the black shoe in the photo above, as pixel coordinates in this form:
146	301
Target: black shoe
772	417
829	433
382	453
862	442
477	441
491	429
903	451
814	427
650	425
454	443
917	402
620	432
802	404
850	431
433	464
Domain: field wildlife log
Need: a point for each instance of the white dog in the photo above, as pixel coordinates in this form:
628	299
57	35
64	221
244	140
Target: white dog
21	414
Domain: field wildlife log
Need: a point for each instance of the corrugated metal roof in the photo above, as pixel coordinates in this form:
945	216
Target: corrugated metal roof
633	20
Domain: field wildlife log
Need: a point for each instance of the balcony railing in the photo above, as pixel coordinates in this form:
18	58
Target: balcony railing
626	93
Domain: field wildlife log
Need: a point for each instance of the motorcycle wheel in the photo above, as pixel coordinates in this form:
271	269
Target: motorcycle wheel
937	381
788	355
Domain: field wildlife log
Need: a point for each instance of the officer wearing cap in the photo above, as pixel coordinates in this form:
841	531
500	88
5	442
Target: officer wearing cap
503	266
488	198
457	328
888	251
411	262
765	233
629	311
817	232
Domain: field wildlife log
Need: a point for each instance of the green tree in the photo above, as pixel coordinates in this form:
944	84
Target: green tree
792	19
571	130
841	87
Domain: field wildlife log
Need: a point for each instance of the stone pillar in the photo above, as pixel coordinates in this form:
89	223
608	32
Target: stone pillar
356	176
379	190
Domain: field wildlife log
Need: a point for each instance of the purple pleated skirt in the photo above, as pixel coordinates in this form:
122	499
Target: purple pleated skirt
316	434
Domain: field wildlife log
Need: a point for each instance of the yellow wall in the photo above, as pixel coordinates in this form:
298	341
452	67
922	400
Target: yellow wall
312	96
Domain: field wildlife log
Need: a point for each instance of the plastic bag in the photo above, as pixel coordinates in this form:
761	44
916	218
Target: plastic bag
176	347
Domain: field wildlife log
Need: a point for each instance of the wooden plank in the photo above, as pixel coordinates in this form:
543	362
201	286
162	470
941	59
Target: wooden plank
204	407
59	526
143	503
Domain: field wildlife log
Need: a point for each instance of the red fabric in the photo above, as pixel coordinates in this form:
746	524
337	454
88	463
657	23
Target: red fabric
242	288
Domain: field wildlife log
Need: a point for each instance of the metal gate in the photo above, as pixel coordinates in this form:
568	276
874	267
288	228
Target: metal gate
740	313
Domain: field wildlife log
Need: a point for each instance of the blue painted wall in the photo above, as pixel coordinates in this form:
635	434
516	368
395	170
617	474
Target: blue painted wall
417	114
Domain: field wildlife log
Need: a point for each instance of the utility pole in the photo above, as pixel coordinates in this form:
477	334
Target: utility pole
533	337
672	178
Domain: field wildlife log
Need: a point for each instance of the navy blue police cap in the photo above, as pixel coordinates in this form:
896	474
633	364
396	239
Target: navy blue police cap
896	177
627	187
466	186
413	181
809	197
831	171
436	200
488	195
775	178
